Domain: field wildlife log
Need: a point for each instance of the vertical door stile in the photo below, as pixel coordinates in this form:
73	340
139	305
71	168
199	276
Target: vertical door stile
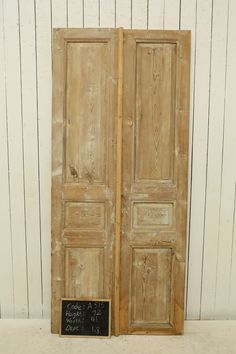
118	179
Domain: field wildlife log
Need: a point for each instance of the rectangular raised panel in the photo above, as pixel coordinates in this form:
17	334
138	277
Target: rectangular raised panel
151	286
155	111
86	112
84	215
152	215
84	273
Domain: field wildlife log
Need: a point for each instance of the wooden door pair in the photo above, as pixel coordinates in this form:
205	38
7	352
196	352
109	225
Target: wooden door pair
119	174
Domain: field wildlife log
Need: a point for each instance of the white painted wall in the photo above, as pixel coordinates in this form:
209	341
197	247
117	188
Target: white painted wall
25	138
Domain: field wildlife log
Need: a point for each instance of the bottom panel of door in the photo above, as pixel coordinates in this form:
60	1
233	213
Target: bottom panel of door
148	302
84	272
88	270
150	286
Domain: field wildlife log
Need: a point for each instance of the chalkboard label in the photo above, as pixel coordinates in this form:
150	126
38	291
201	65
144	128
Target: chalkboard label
85	318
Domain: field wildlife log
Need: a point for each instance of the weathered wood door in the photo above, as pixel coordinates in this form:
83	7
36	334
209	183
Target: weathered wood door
154	193
83	166
103	79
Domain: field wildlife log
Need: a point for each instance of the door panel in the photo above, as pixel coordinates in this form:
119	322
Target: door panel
86	112
154	192
150	287
85	215
84	272
153	215
83	166
155	77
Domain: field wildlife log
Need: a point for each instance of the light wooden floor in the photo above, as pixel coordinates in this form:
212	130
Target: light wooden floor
201	337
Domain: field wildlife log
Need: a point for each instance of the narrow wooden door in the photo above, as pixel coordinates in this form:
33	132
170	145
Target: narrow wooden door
83	164
154	193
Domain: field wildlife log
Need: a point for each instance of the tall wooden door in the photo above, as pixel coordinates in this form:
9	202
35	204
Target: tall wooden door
83	164
154	193
119	195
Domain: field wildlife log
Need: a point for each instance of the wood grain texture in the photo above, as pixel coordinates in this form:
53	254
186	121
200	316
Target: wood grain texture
84	272
156	92
83	164
85	215
80	125
151	286
155	103
86	137
153	215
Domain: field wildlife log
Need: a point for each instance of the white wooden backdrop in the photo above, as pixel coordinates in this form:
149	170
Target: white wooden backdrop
25	138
